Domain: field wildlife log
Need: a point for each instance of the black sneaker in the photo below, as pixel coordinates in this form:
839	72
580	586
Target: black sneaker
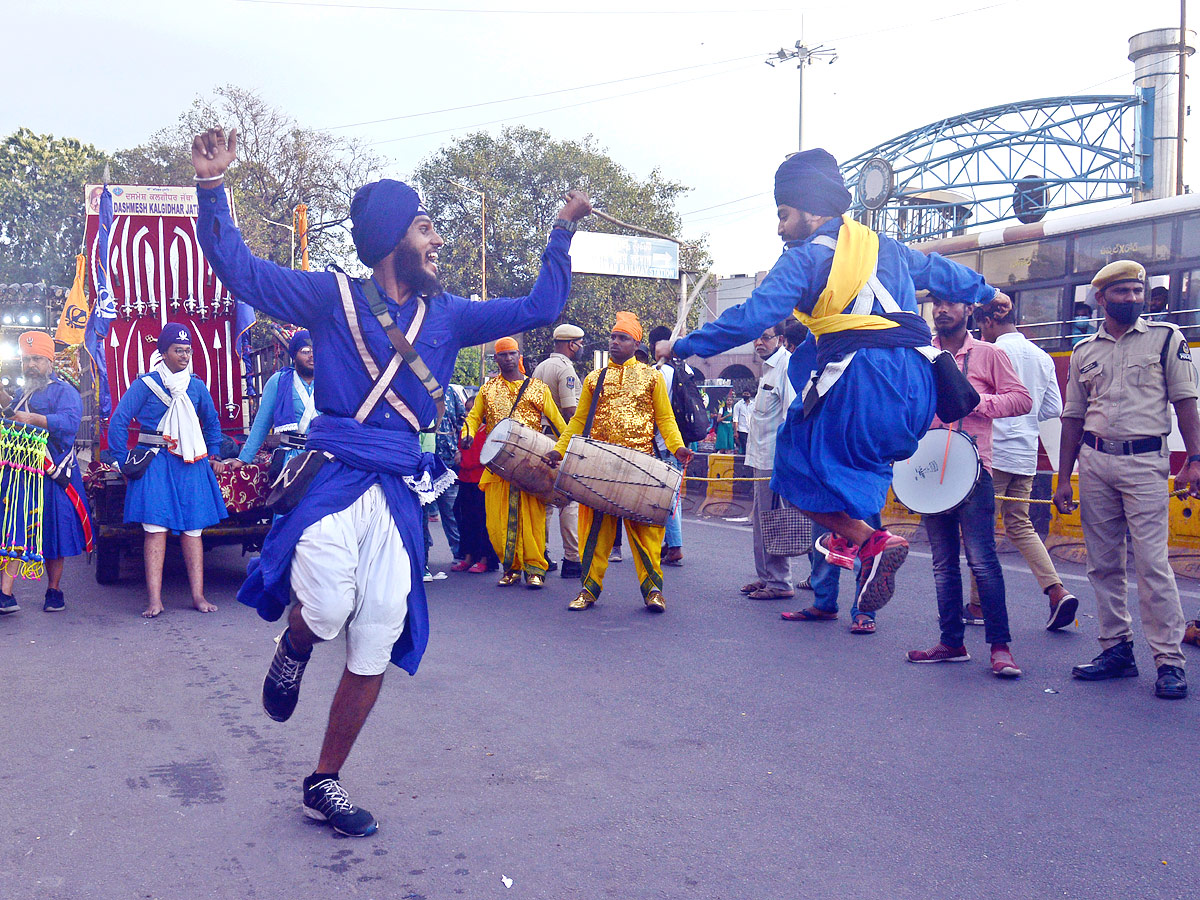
1171	685
8	604
55	602
572	568
281	688
327	801
551	565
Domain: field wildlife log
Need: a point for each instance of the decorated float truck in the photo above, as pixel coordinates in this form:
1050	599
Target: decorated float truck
157	273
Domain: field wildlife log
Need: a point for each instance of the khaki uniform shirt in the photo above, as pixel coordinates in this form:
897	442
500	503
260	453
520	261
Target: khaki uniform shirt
558	373
1118	386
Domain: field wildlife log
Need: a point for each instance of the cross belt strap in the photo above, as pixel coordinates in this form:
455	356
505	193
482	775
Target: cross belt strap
591	416
406	350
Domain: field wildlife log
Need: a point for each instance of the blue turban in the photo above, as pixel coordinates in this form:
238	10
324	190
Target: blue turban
173	333
299	341
811	182
380	215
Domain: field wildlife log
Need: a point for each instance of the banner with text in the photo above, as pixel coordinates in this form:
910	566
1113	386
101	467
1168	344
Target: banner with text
593	253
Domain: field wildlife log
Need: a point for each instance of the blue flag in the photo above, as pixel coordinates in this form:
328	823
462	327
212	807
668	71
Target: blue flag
105	309
243	321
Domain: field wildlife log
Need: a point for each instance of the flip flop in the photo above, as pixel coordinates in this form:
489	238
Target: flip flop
809	615
862	625
771	594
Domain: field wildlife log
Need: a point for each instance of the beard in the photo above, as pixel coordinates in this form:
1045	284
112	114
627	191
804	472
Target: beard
410	270
36	381
303	370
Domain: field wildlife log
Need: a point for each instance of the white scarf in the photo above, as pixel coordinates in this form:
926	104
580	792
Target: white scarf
306	397
180	426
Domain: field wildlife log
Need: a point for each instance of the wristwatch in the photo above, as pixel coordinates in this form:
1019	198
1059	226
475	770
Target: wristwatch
565	225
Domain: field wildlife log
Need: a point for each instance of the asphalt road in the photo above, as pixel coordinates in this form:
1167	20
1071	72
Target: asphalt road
712	752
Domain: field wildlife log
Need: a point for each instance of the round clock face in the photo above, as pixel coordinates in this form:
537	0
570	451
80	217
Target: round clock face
875	183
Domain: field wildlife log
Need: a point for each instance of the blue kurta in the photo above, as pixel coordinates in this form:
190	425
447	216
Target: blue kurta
171	493
839	457
266	418
384	447
62	530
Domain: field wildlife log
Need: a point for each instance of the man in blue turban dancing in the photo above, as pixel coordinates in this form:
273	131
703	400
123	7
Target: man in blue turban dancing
351	553
872	396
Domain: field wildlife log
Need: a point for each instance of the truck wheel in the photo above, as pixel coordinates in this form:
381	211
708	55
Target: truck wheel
108	561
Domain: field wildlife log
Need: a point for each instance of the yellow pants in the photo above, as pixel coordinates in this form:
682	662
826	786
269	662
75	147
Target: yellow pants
598	531
516	524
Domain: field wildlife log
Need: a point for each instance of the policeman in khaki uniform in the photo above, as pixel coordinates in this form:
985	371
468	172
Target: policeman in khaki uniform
1116	420
558	373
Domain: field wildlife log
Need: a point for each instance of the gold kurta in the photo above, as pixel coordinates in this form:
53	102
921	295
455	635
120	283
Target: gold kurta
495	402
632	403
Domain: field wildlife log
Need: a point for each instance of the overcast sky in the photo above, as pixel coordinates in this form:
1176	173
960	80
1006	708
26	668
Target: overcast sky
713	115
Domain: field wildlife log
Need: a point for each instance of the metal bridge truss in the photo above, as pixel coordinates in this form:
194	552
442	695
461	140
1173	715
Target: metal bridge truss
1083	149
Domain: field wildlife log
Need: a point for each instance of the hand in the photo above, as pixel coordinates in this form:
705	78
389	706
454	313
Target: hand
235	463
1189	480
1064	498
578	205
23	417
684	455
213	154
552	458
217	465
663	350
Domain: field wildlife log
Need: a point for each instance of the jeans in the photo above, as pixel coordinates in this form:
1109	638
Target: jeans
975	520
674	533
826	578
445	505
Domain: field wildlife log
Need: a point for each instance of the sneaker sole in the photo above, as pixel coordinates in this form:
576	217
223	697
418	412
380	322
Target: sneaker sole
1063	614
930	662
53	608
1128	673
1007	672
834	559
319	816
880	584
9	610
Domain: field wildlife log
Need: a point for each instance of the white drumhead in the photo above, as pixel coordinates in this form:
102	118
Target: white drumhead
940	475
496	440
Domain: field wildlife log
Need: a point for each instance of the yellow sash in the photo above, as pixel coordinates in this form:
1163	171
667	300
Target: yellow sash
853	264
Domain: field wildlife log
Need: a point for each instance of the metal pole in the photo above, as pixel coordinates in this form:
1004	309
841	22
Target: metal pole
1182	103
800	112
482	266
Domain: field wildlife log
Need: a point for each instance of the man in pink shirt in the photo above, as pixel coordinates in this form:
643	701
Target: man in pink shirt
1002	394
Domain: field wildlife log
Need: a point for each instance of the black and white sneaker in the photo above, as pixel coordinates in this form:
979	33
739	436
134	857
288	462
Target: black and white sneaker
8	604
327	801
55	602
281	688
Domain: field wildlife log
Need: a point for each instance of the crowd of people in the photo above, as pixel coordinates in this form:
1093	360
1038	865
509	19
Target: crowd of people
373	439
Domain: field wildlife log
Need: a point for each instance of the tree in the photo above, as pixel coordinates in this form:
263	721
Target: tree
280	165
524	174
42	181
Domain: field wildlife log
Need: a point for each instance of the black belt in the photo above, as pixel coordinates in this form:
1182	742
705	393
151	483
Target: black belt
1123	448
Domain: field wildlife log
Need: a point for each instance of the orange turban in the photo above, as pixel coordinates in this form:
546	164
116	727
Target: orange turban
36	343
506	344
627	323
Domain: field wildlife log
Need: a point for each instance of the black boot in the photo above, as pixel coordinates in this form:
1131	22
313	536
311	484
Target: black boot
1115	662
1171	684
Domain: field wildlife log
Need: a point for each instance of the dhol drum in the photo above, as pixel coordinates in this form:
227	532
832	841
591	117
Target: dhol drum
941	475
514	452
618	481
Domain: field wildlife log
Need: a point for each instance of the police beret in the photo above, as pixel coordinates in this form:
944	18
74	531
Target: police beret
1119	270
566	332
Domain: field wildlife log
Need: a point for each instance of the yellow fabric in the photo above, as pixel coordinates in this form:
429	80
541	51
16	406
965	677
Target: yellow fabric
73	321
853	262
597	533
634	401
518	536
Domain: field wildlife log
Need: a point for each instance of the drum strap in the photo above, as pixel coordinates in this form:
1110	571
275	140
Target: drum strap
517	399
966	367
591	416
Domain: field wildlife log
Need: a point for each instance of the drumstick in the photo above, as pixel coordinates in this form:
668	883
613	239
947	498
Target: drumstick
946	456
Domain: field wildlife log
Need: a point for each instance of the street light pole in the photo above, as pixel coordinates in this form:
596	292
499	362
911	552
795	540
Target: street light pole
292	229
482	256
804	56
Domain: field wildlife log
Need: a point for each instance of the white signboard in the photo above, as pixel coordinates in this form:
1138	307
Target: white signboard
614	254
137	200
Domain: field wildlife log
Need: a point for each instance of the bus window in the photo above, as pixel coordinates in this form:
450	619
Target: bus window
1029	261
1157	299
1187	316
1038	314
1147	242
1085	315
1190	244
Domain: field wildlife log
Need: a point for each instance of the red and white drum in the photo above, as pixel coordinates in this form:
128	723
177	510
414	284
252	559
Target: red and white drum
941	475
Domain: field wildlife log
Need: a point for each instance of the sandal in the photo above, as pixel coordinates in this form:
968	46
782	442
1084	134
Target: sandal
863	624
812	614
769	593
753	586
1192	633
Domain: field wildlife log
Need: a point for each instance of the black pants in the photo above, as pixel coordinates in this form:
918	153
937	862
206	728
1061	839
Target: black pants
472	525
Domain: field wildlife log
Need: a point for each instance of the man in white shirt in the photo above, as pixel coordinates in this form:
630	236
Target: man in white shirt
1014	456
775	395
742	412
